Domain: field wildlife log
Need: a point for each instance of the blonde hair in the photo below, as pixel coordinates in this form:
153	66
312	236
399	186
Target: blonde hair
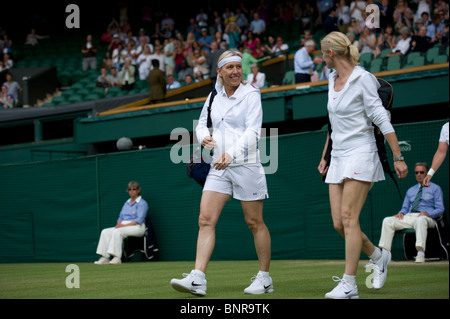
341	45
225	55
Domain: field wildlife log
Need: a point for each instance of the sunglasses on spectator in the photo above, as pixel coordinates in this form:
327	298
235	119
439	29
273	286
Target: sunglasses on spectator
419	172
132	189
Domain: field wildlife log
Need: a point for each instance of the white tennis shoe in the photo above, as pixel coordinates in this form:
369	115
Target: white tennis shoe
343	290
192	283
380	268
260	285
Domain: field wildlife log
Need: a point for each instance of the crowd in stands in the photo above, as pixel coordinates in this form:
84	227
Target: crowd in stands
187	50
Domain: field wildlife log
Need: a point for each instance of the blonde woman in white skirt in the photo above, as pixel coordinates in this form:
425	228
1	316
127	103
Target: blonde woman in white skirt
353	105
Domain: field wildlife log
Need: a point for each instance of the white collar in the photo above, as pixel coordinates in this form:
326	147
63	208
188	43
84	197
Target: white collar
138	199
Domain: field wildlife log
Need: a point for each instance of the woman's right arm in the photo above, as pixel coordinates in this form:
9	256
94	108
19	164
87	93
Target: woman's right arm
323	167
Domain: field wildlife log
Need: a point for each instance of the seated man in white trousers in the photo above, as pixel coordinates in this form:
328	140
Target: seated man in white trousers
129	224
422	205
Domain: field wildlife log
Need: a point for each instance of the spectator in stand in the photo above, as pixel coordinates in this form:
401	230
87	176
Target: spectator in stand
330	22
104	80
353	27
194	29
248	60
143	42
89	52
367	41
217	24
117	57
189	44
252	43
307	35
426	19
171	83
241	19
130	37
115	43
386	14
158	55
107	61
178	56
114	77
6	45
202	18
211	60
234	35
435	29
279	48
158	35
6	99
403	14
303	64
166	22
343	11
107	37
256	78
351	38
386	40
198	63
131	53
13	87
127	75
308	12
404	44
142	34
144	63
169	62
189	79
422	6
445	36
205	41
32	38
421	42
198	76
357	8
185	71
258	25
8	63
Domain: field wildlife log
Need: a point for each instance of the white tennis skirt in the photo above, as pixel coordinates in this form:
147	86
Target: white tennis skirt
363	167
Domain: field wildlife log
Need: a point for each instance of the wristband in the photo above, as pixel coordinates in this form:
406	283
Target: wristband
431	172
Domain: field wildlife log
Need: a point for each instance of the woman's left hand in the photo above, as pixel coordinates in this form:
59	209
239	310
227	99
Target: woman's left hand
401	169
223	161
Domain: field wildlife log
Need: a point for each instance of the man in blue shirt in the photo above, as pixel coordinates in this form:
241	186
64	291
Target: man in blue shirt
205	41
131	223
422	205
303	64
435	29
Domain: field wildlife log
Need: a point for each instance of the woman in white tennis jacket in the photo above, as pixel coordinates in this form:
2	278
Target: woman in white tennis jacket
236	171
353	104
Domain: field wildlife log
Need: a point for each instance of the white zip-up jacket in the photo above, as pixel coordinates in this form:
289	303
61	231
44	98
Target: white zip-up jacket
353	112
236	123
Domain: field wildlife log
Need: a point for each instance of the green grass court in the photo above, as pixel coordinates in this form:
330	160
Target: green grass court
293	279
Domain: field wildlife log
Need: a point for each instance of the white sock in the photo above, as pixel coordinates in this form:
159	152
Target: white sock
350	279
263	273
420	252
376	254
199	273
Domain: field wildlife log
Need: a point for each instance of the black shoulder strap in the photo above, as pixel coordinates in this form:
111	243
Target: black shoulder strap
211	99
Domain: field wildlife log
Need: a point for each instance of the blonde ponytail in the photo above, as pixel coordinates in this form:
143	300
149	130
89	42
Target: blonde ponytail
341	45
